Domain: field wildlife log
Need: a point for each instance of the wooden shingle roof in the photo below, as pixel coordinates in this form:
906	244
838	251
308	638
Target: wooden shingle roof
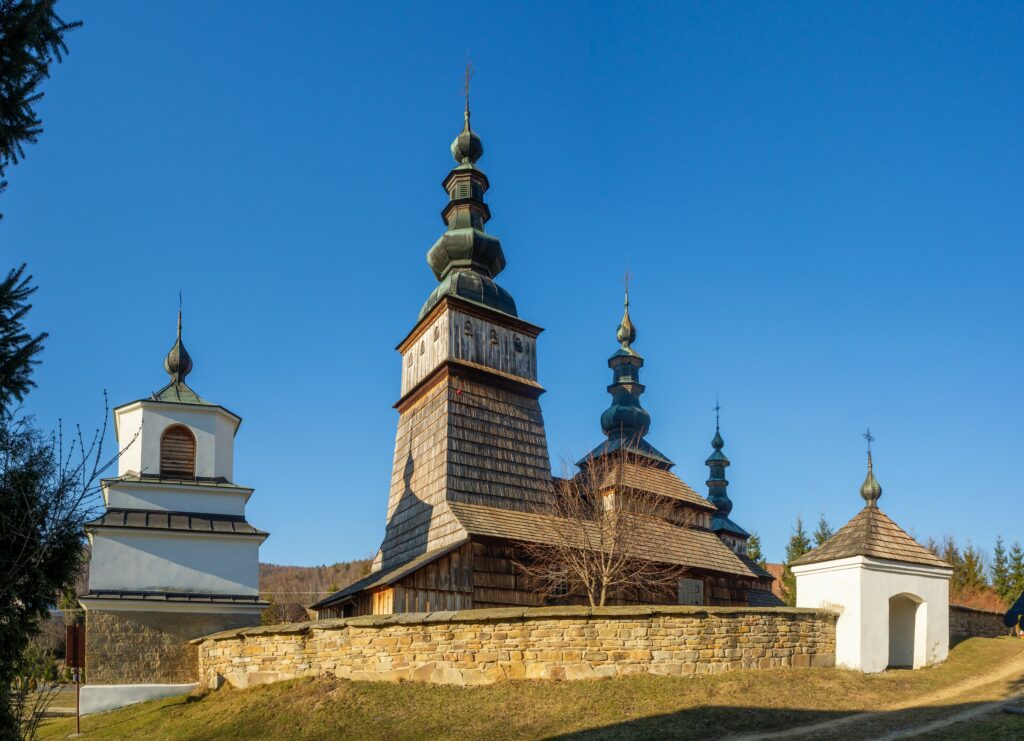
655	480
871	533
665	542
388	576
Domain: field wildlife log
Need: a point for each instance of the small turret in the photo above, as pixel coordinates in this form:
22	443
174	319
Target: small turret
465	259
626	422
718	485
718	493
871	490
178	362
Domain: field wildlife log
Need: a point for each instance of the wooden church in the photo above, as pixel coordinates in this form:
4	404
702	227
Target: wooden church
471	476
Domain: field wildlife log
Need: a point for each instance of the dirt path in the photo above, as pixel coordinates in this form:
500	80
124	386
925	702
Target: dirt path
875	724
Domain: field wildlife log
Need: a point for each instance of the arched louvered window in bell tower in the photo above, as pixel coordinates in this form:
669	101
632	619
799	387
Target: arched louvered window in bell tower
178	453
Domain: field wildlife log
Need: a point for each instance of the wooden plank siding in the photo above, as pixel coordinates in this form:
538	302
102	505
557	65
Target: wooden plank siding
483	574
178	453
444	584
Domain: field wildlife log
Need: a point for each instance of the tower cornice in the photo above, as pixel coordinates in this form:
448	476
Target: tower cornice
474	371
473	309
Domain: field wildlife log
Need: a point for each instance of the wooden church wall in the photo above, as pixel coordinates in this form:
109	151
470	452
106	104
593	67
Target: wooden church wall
444	584
484	575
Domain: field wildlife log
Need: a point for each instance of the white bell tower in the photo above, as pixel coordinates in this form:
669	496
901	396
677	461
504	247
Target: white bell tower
172	556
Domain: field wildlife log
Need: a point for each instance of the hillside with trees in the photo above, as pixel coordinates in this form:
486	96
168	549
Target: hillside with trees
289	589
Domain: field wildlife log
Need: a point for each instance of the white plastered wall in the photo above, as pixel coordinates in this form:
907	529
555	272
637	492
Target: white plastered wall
174	498
213	427
861	589
174	562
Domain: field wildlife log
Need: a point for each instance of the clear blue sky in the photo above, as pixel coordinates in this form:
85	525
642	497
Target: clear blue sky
821	204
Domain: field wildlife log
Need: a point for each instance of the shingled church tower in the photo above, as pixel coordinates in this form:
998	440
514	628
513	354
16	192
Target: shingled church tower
470	432
470	427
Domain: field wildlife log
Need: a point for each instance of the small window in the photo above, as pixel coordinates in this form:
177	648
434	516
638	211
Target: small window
494	337
691	591
437	332
423	346
178	453
468	328
517	344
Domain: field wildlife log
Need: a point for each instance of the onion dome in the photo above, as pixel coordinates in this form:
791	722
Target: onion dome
626	331
626	422
871	490
626	418
718	487
178	362
465	260
467	147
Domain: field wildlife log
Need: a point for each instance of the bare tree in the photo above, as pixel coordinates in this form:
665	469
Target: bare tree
594	535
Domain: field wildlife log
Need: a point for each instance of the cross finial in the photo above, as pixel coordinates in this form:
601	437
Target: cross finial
465	85
870	438
179	314
716	409
625	279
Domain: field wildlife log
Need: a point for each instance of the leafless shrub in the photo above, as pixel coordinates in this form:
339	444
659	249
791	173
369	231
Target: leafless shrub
593	539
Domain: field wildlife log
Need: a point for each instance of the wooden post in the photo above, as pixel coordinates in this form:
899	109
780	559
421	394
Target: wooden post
74	657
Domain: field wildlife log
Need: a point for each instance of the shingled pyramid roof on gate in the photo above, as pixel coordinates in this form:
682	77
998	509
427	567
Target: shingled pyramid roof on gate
871	533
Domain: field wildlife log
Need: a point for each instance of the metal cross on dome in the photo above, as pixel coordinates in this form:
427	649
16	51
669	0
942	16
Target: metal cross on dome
869	437
465	86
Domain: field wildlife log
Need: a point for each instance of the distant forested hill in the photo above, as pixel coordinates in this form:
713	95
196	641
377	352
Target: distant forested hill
289	589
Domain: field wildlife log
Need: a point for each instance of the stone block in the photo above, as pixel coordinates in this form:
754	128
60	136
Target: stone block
579	670
514	669
825	661
536	671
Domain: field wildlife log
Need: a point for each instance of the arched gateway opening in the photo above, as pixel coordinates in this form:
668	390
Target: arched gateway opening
907	631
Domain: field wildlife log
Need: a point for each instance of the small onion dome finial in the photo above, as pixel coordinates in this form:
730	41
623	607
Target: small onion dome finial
717	442
467	147
625	333
871	490
178	362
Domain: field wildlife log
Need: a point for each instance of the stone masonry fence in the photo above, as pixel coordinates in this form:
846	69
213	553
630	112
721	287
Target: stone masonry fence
965	622
483	646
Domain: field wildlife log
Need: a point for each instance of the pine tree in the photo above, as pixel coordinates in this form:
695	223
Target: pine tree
972	570
45	494
798	545
31	39
18	349
754	550
1001	571
823	532
949	552
1016	571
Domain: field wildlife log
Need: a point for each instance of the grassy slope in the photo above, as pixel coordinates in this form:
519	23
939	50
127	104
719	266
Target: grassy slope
639	706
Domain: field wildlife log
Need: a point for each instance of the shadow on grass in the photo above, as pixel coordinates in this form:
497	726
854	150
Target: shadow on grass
723	722
112	719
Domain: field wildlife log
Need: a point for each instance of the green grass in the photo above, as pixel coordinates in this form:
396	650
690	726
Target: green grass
642	706
996	728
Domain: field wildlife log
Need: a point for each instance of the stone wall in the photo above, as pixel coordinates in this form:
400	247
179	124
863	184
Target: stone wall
127	647
969	622
484	646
